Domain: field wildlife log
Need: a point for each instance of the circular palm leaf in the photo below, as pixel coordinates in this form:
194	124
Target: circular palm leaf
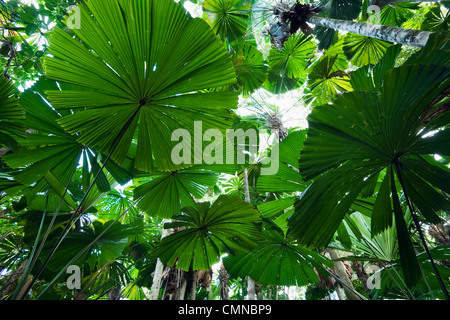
208	231
278	260
165	195
327	81
141	64
227	18
361	50
251	70
396	14
437	19
293	60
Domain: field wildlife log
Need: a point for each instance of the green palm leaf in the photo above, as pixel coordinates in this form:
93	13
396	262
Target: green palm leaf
208	231
278	260
141	64
361	50
293	60
327	80
11	115
51	149
165	195
396	14
382	247
227	18
115	237
251	70
287	179
391	277
369	77
375	132
437	19
288	67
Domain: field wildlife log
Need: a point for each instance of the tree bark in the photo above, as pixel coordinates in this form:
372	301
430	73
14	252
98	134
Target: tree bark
13	279
182	285
251	284
409	37
251	289
193	289
223	276
362	275
158	274
342	274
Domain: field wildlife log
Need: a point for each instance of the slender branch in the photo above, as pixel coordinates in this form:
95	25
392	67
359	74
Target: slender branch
12	55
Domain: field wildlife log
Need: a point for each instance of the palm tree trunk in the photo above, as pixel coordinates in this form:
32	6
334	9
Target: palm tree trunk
251	284
180	292
193	289
342	274
223	276
362	275
409	37
251	289
158	274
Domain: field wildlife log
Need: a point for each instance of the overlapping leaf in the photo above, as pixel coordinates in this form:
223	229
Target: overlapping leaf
51	150
251	70
327	81
165	195
362	134
111	239
287	179
293	60
208	231
11	115
361	50
278	261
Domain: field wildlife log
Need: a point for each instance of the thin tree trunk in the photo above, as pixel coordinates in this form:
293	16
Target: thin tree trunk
181	291
210	292
342	274
114	294
340	293
362	275
158	274
12	280
157	278
251	289
193	289
223	276
409	37
251	284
